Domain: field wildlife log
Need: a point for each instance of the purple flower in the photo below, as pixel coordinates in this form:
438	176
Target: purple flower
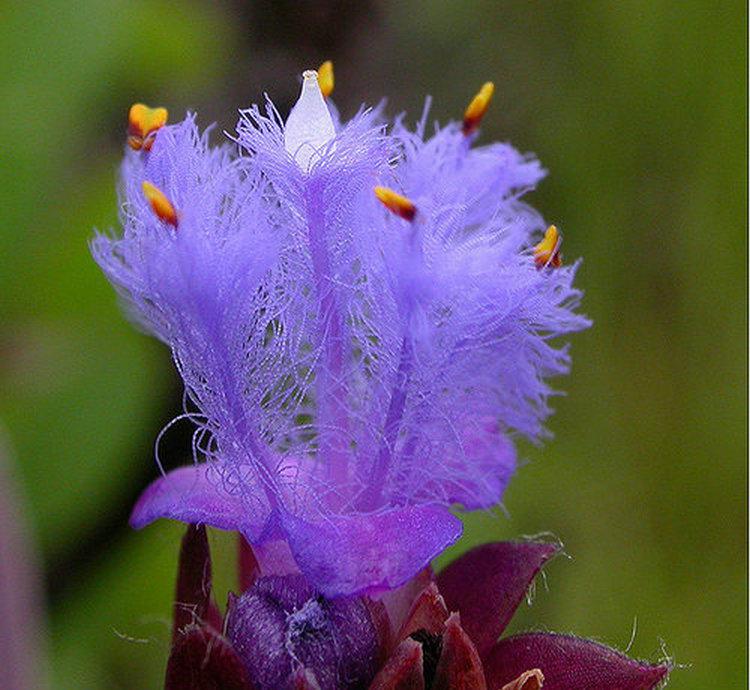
434	633
353	371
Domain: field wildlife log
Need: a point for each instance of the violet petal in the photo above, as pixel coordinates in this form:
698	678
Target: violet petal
192	494
569	663
275	558
347	555
487	584
403	670
202	659
459	667
492	452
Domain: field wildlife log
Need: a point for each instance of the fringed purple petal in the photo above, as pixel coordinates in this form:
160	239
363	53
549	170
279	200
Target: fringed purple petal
200	287
493	458
569	663
343	366
194	495
487	584
364	553
201	659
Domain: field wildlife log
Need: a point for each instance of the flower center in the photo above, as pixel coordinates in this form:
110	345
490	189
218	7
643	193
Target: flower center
281	624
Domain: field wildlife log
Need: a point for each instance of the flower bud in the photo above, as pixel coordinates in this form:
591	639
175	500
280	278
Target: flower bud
281	625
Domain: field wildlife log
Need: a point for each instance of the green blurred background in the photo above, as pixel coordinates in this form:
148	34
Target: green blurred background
637	108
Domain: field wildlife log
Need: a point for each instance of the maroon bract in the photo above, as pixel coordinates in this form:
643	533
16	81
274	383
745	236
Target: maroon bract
435	633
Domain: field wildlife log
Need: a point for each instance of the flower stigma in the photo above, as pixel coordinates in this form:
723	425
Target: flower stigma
309	127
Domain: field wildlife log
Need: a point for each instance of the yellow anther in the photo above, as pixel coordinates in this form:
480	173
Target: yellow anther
325	78
547	252
478	107
160	205
396	203
143	123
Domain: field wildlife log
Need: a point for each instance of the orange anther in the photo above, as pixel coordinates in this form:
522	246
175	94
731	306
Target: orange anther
325	78
547	252
143	123
396	203
478	107
160	205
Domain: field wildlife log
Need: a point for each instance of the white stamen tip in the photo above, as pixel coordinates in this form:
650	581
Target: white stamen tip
309	126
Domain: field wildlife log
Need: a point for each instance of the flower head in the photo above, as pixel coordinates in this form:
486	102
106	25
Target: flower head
355	368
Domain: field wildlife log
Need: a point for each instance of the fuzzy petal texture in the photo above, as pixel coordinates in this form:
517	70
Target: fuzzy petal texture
345	369
371	553
487	584
570	663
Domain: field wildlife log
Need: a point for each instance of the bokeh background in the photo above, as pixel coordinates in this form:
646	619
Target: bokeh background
637	108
